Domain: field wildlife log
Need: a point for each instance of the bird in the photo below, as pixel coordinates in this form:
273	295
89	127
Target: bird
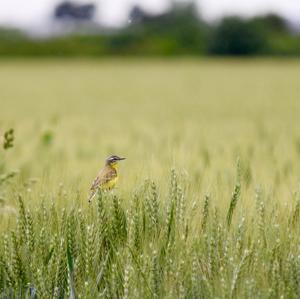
107	176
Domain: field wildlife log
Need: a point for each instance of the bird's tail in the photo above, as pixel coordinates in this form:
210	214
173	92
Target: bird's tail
92	195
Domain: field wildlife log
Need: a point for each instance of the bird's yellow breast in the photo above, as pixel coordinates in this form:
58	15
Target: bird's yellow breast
110	184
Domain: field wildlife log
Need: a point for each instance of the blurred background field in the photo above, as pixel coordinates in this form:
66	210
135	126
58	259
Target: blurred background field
198	116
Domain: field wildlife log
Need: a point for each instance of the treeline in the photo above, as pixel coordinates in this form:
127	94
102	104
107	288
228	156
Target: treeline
179	31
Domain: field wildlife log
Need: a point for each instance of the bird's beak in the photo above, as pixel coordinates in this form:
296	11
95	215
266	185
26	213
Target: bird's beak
121	158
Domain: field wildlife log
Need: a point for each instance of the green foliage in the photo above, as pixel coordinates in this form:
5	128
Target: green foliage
76	257
178	31
5	177
271	23
235	196
234	36
205	212
47	138
8	139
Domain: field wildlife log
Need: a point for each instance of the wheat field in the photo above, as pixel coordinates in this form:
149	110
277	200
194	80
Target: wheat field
207	204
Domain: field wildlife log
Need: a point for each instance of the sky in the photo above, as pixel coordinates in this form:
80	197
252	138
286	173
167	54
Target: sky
32	14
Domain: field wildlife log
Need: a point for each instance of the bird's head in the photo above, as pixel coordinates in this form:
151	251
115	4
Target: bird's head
113	160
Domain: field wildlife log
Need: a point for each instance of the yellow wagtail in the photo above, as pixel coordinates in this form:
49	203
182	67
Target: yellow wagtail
107	177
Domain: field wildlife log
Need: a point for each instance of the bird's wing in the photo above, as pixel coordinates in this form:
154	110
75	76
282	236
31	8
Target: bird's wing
104	176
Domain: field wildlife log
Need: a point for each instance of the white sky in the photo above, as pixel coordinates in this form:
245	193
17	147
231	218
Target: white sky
35	13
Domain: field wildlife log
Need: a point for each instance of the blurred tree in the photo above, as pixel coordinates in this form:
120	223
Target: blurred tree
178	31
72	11
138	15
271	23
235	36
